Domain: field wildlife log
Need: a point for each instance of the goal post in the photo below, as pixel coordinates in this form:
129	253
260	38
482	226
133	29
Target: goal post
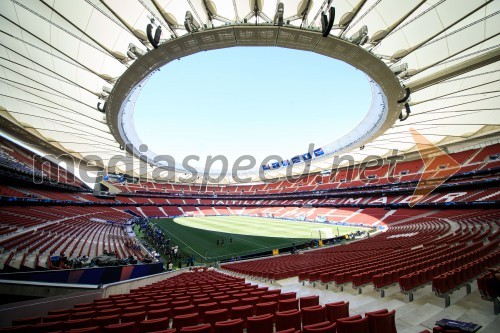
322	233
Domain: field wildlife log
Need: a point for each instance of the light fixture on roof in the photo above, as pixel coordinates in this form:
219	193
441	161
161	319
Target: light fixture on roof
278	17
408	111
327	23
154	40
190	23
106	89
134	52
400	70
104	95
360	37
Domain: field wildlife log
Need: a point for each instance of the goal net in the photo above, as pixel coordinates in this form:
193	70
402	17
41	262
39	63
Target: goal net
322	233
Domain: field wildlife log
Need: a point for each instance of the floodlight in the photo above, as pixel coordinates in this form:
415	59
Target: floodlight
106	89
399	68
190	23
360	37
278	17
134	52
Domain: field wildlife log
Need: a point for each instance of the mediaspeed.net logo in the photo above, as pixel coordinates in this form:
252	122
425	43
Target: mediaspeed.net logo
438	167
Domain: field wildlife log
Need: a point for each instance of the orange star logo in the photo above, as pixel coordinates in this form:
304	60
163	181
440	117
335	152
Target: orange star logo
438	167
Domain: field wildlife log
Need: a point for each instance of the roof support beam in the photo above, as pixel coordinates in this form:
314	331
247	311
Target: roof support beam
459	69
108	51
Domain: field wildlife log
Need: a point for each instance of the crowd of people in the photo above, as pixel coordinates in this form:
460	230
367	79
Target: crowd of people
162	245
108	258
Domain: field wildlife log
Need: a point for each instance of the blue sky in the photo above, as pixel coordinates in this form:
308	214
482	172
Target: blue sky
249	100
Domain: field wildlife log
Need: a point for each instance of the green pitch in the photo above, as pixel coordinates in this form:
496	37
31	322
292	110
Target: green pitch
242	235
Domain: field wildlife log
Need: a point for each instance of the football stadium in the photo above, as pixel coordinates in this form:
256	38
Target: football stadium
252	166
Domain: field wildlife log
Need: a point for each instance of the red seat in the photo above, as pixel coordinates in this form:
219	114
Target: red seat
135	317
289	330
229	326
382	322
103	307
109	312
200	300
88	308
313	314
160	313
93	329
183	320
119	328
135	308
101	301
242	312
270	298
309	301
46	327
84	314
221	298
184	302
60	311
261	323
213	316
354	324
107	320
228	304
77	323
288	319
123	305
289	295
323	327
181	310
83	305
288	304
274	292
337	310
26	321
152	325
204	307
266	308
158	306
146	303
16	329
203	328
249	301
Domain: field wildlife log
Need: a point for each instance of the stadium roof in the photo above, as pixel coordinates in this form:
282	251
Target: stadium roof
56	57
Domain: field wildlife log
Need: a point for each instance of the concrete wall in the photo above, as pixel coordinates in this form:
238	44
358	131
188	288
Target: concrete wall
63	296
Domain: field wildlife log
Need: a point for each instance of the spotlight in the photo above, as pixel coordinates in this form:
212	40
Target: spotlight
190	23
134	52
399	68
106	89
278	17
360	37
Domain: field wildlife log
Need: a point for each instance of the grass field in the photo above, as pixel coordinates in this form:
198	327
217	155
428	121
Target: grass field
242	235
